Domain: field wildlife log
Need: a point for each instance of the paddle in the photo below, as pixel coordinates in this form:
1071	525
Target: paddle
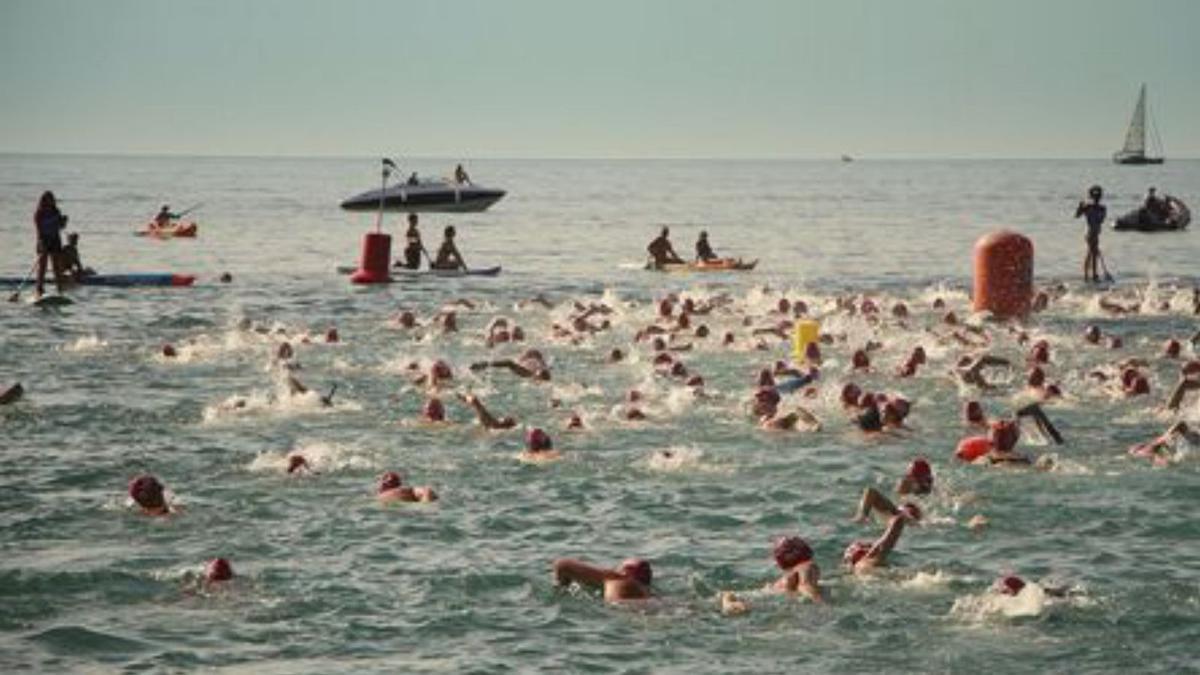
188	210
1104	266
16	295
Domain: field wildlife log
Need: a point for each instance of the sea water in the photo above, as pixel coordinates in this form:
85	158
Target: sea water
329	581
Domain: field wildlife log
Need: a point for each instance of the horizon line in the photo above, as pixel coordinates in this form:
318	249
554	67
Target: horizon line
575	158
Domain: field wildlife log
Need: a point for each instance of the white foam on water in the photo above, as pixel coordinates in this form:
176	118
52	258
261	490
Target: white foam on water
85	345
322	457
1031	601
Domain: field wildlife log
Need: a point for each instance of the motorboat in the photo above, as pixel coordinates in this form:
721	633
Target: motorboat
426	195
1172	215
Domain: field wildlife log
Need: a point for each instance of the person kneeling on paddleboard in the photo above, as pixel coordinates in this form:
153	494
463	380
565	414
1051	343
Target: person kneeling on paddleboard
448	257
71	262
661	251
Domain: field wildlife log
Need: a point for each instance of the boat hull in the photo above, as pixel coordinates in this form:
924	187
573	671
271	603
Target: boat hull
1137	161
399	273
426	198
719	265
1141	220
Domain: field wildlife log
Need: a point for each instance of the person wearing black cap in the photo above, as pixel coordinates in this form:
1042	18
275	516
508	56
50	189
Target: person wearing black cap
1095	213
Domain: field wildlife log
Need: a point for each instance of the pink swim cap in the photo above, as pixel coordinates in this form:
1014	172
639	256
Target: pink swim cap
1009	584
791	551
218	569
538	440
921	473
1172	348
440	370
860	360
147	492
390	481
637	569
331	335
856	551
850	394
812	352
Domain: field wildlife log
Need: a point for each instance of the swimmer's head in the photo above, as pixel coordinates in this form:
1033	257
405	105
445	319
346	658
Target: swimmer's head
727	338
900	310
638	570
702	331
939	303
434	410
1096	192
390	481
855	552
407	319
168	351
615	355
679	370
659	344
973	412
766	401
1009	584
791	551
218	569
665	307
870	419
695	381
850	395
765	378
284	352
296	462
783	306
575	422
860	360
1092	334
868	306
812	353
1172	348
147	492
921	475
1115	342
537	440
1040	352
440	370
331	335
950	319
633	396
918	355
799	308
663	359
1004	435
684	321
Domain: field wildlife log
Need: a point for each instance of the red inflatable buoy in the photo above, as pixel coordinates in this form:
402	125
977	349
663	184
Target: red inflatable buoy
375	261
1004	274
972	448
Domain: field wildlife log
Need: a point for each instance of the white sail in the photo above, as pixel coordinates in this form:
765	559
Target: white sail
1135	137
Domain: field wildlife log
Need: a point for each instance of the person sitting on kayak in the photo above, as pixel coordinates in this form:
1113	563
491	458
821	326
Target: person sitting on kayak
460	175
413	246
163	220
448	257
661	250
71	261
704	252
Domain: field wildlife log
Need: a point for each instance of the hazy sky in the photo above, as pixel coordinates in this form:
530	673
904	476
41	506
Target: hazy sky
604	78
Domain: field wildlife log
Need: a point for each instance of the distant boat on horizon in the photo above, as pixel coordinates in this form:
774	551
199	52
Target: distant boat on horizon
1134	151
847	158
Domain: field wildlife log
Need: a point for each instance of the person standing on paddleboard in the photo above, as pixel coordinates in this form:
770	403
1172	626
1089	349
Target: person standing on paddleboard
1095	213
49	222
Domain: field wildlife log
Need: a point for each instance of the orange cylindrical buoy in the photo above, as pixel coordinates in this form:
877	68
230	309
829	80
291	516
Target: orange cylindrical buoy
1004	274
375	261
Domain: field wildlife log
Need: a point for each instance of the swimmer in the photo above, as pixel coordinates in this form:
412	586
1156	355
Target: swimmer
486	419
864	557
1186	384
147	493
218	569
801	576
970	369
297	463
873	501
434	411
629	581
798	420
1011	584
297	388
168	351
917	480
973	414
392	489
539	447
1159	450
528	368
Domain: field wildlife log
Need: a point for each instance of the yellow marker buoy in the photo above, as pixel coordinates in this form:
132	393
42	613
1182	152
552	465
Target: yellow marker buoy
807	331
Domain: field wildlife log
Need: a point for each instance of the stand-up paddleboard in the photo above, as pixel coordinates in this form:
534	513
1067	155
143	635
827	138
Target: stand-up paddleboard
122	280
719	265
405	273
52	301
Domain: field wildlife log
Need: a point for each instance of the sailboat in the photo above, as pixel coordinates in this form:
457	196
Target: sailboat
1134	151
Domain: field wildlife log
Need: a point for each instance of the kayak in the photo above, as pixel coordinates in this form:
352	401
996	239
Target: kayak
186	230
405	273
121	280
718	265
1175	216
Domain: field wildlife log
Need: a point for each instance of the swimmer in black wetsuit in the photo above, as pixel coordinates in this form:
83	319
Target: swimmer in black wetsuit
704	252
661	252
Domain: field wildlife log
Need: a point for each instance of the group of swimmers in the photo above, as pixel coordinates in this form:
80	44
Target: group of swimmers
681	326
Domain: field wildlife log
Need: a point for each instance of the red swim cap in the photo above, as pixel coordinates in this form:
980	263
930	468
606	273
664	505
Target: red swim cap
296	462
856	551
637	569
791	551
663	359
812	352
331	335
434	410
390	481
1172	348
147	492
973	412
538	440
218	569
168	351
1036	378
1009	584
860	360
440	370
1004	435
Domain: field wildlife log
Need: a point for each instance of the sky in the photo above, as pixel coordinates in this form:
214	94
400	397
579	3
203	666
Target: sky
596	79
